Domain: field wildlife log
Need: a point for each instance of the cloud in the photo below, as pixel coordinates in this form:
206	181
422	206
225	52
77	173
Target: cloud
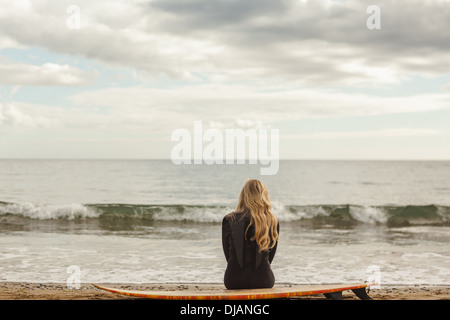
226	104
158	111
287	38
384	133
47	74
12	114
318	42
229	63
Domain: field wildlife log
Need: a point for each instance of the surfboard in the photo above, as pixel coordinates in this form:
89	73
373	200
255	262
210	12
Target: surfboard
333	291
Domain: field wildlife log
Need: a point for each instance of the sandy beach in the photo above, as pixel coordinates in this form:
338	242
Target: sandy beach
50	291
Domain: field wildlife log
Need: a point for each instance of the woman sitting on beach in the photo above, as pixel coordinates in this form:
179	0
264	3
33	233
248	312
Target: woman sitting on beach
249	239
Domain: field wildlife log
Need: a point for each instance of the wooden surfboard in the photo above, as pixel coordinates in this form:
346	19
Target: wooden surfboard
331	291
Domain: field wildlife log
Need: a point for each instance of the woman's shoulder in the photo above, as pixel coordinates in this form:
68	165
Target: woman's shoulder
233	215
230	215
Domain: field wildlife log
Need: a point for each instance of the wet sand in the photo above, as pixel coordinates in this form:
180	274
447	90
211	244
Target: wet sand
50	291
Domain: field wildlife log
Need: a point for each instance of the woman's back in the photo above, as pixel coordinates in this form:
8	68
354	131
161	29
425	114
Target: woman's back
247	267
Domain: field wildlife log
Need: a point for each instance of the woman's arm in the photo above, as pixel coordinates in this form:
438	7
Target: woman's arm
226	232
274	249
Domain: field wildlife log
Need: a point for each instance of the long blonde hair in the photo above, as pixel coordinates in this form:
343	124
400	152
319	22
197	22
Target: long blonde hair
254	199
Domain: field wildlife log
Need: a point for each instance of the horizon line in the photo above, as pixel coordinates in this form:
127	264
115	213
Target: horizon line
192	159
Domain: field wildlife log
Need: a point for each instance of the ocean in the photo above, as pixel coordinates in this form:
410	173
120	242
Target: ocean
145	221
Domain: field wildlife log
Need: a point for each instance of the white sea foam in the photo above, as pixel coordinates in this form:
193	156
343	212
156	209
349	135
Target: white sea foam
196	214
43	212
424	255
367	214
215	213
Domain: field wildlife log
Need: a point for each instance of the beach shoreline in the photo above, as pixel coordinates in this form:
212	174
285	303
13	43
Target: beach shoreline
86	291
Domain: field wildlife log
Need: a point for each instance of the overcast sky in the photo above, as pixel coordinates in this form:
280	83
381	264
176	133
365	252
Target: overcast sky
135	71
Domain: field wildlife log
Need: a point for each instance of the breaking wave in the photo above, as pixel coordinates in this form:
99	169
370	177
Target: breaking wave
344	215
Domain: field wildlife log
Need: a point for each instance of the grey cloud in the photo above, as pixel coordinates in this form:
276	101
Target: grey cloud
219	13
412	29
258	40
404	24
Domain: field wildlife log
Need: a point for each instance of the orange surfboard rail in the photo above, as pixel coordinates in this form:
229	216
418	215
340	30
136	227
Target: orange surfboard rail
330	291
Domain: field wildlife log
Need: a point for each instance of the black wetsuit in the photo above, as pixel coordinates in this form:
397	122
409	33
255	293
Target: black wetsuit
246	267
